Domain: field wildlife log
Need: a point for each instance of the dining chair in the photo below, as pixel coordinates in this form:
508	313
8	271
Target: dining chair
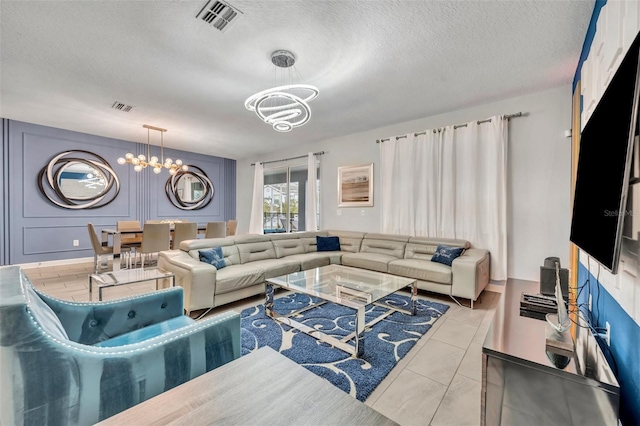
183	231
156	237
216	230
99	250
130	240
232	227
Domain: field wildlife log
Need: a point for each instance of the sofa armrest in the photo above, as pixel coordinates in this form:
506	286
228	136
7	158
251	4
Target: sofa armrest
197	278
470	273
90	322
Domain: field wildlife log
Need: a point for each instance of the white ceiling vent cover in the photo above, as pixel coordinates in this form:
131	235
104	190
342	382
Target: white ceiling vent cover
122	106
219	14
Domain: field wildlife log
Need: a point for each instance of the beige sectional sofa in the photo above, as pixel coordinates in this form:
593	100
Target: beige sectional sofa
253	258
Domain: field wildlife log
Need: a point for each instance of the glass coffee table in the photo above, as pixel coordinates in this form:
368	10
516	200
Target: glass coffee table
351	287
128	276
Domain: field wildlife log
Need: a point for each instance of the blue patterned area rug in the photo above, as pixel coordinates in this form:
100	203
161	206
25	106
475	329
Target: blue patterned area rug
386	343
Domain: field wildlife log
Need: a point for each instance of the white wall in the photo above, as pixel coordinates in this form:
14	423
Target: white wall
539	175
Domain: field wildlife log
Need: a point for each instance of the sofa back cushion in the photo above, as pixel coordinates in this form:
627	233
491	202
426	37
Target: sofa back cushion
392	245
213	256
308	240
229	249
349	240
251	252
424	248
310	244
288	247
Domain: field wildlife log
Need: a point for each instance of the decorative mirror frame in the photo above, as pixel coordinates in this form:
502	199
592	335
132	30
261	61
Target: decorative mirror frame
51	173
174	194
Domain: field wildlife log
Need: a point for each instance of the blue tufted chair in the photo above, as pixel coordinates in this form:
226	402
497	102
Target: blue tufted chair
67	363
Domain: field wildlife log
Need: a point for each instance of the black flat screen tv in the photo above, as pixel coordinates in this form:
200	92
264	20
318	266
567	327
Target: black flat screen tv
604	166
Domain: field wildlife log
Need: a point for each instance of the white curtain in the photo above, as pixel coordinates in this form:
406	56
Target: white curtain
257	205
311	203
450	183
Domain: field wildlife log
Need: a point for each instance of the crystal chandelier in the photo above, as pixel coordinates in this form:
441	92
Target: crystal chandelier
283	107
140	162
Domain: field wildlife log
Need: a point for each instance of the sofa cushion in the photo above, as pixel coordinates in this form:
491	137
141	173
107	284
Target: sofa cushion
277	267
229	249
424	247
313	260
250	252
287	247
446	255
383	246
213	256
421	270
327	243
349	240
147	332
373	261
235	277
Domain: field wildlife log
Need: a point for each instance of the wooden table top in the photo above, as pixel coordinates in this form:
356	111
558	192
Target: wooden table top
263	387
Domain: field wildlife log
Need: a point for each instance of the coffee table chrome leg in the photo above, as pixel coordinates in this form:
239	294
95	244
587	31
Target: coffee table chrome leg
359	337
268	300
414	294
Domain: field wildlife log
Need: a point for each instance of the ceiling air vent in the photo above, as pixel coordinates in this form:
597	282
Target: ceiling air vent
121	107
219	14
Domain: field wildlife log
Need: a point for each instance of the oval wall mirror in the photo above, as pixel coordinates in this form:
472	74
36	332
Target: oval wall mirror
189	190
78	180
81	180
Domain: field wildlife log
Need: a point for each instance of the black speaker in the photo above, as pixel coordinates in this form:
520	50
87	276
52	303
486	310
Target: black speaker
548	278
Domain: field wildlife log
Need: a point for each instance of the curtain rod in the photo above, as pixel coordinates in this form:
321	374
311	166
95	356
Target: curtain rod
488	120
292	158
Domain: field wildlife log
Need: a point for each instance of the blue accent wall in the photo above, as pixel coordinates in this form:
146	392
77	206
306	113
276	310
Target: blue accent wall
588	40
623	354
35	230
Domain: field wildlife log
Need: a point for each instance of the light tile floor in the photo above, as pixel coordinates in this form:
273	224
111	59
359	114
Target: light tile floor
437	383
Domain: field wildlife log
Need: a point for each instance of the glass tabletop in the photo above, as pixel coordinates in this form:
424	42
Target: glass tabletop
128	276
344	285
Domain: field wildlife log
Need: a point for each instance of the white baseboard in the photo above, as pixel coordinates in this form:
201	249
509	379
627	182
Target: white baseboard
55	263
496	286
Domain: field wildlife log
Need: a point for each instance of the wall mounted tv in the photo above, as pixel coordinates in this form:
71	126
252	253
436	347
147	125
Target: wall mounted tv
604	166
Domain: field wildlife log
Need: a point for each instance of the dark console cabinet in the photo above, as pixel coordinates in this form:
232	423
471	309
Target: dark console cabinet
524	384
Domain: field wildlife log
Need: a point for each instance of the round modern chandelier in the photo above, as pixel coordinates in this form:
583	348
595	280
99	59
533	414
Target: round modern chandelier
283	107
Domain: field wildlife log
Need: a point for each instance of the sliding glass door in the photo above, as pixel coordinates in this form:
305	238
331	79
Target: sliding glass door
285	190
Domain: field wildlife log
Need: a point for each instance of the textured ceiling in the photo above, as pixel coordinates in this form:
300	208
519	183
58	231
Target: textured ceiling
376	63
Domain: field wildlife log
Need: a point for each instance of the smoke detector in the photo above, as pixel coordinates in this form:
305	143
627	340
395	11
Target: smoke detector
219	14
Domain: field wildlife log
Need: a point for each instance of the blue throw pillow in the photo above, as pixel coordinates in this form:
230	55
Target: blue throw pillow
213	257
446	255
328	243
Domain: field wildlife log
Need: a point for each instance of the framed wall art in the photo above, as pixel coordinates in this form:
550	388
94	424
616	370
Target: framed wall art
355	186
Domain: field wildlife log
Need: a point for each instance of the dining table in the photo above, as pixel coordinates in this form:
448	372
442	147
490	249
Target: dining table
116	237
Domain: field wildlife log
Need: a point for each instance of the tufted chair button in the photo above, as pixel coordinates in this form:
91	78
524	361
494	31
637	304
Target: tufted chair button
93	323
164	305
131	314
